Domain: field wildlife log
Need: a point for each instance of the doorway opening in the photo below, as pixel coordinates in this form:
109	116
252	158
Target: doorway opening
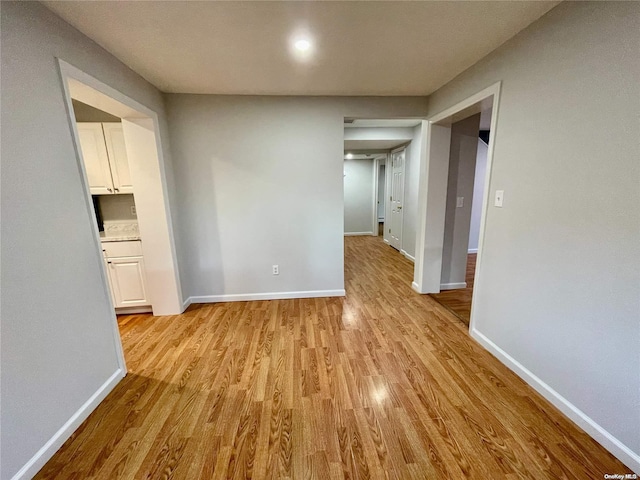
120	162
465	194
454	193
381	174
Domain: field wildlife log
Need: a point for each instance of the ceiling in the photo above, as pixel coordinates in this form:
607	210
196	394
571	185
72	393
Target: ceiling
359	48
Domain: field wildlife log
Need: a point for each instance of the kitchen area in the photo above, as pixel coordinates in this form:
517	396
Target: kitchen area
106	164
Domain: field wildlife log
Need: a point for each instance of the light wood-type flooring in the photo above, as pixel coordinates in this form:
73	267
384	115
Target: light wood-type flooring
458	301
384	383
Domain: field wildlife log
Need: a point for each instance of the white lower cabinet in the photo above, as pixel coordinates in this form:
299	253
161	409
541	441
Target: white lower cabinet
126	274
127	281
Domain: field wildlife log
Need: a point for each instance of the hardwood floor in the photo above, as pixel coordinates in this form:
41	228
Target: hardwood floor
380	384
458	301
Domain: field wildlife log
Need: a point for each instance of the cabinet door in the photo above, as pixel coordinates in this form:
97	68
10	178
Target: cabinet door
96	160
127	281
109	282
114	138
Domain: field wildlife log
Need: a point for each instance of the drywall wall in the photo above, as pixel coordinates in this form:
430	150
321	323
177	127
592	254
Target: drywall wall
462	165
58	341
411	184
87	113
478	196
358	196
261	183
558	292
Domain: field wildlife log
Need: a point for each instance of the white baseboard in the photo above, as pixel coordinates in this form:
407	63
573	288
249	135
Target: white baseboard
43	455
453	286
245	297
385	241
407	256
357	234
415	287
627	456
186	304
472	250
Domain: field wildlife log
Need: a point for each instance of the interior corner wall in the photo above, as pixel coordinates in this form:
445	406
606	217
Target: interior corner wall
558	292
478	196
261	183
358	196
462	166
58	336
411	185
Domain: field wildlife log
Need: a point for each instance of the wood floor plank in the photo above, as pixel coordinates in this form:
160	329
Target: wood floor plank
381	384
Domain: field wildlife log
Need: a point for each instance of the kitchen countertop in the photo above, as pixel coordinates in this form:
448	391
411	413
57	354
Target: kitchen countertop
123	238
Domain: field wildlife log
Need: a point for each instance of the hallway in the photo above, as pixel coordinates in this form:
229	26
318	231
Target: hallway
384	383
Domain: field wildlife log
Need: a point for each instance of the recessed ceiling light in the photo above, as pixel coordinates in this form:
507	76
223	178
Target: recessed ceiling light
349	155
302	45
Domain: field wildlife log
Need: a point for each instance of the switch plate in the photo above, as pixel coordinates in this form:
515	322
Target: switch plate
499	198
276	270
133	210
459	202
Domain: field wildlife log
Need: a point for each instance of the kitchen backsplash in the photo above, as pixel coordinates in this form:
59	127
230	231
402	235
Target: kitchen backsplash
117	208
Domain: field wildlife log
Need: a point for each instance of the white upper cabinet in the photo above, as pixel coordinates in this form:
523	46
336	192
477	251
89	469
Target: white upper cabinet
96	160
105	158
114	139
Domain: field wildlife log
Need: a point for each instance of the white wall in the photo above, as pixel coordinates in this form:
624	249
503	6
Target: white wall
478	196
87	113
411	183
378	133
58	343
358	196
261	183
462	166
559	284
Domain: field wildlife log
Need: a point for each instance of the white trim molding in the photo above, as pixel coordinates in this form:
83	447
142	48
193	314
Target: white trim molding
246	297
358	234
597	432
43	455
453	286
472	250
407	256
186	304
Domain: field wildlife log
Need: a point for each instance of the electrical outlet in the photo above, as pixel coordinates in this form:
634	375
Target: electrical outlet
499	198
276	270
133	210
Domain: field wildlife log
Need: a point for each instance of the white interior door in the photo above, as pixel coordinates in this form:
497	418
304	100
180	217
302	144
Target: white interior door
396	198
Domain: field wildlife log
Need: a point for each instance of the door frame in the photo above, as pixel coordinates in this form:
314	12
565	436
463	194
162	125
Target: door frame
100	95
377	162
434	170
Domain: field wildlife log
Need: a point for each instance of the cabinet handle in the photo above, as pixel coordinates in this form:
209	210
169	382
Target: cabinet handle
109	190
109	263
117	190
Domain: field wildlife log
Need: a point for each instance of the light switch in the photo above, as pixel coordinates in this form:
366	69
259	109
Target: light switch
460	202
499	198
